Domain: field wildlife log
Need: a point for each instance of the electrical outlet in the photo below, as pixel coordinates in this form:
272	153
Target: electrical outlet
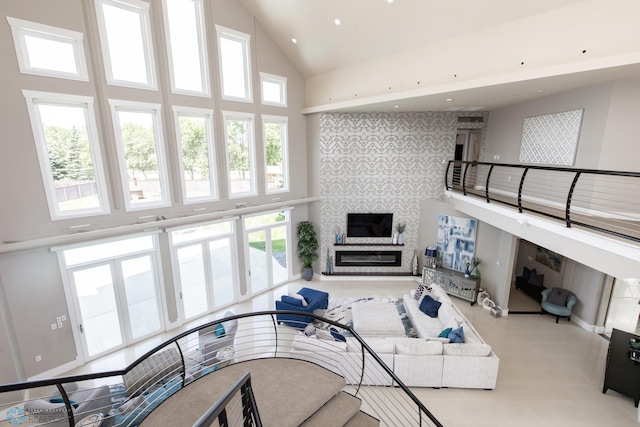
38	358
54	326
59	324
529	258
64	318
58	319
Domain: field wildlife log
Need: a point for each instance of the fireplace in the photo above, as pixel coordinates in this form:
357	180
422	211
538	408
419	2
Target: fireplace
368	258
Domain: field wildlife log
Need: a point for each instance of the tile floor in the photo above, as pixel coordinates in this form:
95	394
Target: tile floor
550	374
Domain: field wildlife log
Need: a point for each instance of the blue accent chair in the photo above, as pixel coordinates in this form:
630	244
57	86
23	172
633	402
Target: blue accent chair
559	302
315	300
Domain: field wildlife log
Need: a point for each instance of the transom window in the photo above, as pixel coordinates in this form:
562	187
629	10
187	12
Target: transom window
66	138
196	153
125	35
276	153
235	64
187	46
139	143
274	90
48	51
240	144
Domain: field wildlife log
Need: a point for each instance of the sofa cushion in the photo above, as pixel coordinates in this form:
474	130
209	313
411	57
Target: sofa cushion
301	298
558	296
445	333
480	350
378	345
420	347
536	279
449	317
292	301
429	306
456	336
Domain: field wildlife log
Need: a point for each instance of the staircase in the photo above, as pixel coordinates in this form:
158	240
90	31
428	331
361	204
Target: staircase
288	392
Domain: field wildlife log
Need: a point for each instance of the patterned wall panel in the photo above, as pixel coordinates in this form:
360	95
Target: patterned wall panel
381	162
551	139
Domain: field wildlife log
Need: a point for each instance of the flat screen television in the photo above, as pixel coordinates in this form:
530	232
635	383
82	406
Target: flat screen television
369	224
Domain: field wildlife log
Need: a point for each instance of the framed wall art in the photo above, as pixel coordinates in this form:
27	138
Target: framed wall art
456	241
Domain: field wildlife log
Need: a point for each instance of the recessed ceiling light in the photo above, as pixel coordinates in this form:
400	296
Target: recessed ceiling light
395	106
389	1
449	99
294	41
336	21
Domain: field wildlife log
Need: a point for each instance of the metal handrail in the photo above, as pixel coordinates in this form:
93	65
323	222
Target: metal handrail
58	382
598	213
218	410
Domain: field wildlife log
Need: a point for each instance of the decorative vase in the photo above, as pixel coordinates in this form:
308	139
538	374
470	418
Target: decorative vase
401	239
467	271
414	263
475	273
307	273
394	240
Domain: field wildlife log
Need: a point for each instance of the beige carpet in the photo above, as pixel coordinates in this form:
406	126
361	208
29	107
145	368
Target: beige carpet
287	392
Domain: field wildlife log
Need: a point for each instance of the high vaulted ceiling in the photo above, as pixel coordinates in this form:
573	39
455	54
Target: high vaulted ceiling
565	43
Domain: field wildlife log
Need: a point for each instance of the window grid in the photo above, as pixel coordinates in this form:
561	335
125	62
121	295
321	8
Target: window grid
61	52
196	154
235	64
139	143
66	138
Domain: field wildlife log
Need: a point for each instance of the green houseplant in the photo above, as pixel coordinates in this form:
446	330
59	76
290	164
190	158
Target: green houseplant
307	248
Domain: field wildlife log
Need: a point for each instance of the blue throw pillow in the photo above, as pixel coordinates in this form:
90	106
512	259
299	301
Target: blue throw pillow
61	400
337	335
219	330
291	301
429	306
445	333
456	336
526	273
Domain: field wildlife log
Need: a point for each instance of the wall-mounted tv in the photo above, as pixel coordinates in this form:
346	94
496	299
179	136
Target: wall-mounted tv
369	224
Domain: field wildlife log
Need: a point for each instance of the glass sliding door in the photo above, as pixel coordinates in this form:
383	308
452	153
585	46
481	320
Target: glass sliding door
142	296
192	280
222	271
97	305
267	249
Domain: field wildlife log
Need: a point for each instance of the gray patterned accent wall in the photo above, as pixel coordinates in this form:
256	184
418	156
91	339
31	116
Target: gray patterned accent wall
381	162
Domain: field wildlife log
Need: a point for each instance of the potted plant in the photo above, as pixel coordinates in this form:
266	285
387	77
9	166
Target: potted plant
307	248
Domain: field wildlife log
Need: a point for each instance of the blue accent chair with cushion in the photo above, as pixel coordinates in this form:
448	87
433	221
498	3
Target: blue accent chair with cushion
559	302
313	300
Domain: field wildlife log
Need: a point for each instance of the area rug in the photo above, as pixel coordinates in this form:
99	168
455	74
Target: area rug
339	310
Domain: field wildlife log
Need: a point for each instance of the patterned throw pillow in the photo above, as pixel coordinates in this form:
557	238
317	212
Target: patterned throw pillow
419	292
456	336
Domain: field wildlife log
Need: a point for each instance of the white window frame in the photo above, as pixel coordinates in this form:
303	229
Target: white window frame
32	98
280	81
21	28
142	8
72	300
285	151
207	114
202	49
250	117
223	32
121	105
175	265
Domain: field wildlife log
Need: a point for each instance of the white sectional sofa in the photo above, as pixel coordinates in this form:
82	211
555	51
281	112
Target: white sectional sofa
426	361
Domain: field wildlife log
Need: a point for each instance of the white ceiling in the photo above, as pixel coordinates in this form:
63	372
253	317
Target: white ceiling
375	29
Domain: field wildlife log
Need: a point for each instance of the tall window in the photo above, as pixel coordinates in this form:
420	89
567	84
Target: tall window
235	64
240	143
139	142
125	35
205	256
48	51
196	153
187	46
66	137
274	90
115	289
276	153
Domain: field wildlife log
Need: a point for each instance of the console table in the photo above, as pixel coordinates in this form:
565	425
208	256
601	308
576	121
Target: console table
452	282
622	373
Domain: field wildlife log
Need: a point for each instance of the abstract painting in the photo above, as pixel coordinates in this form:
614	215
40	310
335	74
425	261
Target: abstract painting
456	241
549	259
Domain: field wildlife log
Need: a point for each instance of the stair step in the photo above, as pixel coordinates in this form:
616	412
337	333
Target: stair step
336	412
360	419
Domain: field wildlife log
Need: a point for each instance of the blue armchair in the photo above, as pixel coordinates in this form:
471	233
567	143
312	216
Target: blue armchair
559	302
315	300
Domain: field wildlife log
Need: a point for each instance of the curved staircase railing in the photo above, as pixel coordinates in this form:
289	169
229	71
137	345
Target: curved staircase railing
126	396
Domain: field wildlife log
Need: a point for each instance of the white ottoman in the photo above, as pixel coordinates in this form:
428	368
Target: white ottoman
377	319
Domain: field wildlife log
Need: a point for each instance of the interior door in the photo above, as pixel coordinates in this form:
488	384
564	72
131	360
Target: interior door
624	308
